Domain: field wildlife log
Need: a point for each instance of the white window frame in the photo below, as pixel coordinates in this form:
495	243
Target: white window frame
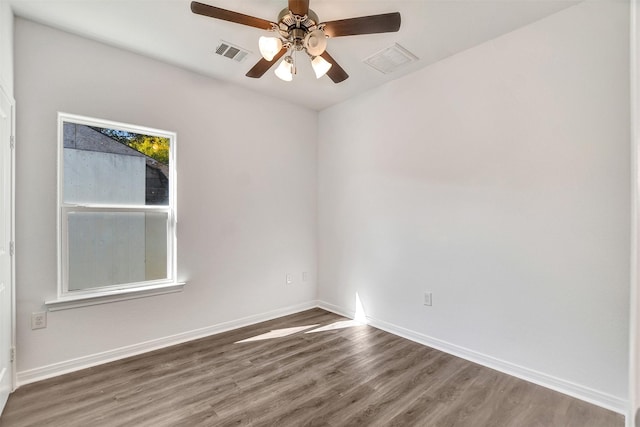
98	295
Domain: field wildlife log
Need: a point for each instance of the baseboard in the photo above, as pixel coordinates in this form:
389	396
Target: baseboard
337	309
53	370
578	391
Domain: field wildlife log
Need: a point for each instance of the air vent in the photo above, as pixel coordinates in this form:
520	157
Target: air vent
230	51
390	59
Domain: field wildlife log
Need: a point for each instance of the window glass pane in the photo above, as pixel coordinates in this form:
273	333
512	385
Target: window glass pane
108	248
115	167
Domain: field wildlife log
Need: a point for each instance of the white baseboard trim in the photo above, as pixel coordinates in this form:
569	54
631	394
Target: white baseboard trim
578	391
60	368
336	309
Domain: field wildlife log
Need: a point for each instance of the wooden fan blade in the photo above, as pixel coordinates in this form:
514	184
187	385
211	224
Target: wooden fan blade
228	15
263	65
336	72
385	23
299	7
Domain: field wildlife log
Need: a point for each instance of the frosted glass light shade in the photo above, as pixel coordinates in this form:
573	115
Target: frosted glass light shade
269	47
315	42
320	66
285	69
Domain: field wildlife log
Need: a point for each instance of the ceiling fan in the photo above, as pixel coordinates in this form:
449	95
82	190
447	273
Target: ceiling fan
299	30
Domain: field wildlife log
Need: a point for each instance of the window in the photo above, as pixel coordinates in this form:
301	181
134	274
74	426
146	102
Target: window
117	213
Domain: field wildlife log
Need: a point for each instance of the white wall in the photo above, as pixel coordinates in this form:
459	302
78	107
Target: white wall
633	418
497	179
6	48
246	201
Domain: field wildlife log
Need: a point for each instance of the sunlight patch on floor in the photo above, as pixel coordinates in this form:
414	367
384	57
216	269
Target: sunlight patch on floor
360	319
277	333
336	325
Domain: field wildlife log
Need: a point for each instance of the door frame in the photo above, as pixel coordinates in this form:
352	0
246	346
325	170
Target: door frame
633	413
11	216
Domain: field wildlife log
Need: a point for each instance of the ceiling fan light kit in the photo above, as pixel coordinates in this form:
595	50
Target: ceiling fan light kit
286	69
269	47
315	42
299	30
320	66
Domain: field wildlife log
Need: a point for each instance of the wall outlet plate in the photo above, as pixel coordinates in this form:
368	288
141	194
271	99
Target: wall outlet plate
39	320
428	299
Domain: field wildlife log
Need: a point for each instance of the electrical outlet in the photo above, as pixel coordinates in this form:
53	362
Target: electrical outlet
289	278
427	299
39	320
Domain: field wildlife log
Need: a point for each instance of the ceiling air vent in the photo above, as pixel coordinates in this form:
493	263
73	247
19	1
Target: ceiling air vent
230	51
390	59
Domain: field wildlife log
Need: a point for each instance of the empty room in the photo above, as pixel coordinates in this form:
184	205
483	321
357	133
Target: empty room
328	213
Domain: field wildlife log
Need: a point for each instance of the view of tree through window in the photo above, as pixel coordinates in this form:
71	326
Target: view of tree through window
155	147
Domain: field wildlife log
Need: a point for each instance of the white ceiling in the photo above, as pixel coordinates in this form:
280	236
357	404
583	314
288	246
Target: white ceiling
167	30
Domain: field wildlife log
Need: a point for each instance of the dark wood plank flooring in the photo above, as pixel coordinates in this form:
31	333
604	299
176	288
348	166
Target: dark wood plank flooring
353	376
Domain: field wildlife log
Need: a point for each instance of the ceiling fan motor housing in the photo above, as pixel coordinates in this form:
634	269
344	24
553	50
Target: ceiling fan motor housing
302	32
288	20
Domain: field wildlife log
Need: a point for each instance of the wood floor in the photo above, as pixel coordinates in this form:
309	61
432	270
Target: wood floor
350	376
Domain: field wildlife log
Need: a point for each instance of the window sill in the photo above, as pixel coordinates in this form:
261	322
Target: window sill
76	301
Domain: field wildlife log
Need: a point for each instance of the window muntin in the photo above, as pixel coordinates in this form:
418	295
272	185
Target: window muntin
116	206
